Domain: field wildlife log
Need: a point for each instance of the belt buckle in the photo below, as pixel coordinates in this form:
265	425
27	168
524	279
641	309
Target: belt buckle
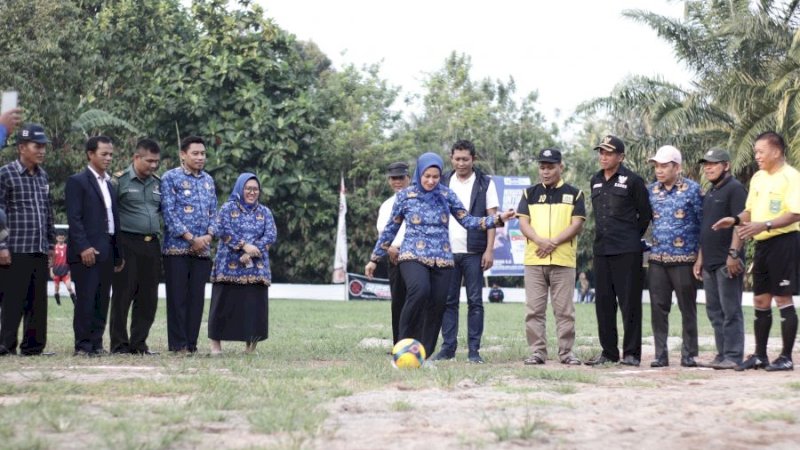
148	238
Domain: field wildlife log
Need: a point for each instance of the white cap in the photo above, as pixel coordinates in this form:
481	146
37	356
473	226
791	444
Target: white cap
667	154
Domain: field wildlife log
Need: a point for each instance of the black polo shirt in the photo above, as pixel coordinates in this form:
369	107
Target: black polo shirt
724	200
621	208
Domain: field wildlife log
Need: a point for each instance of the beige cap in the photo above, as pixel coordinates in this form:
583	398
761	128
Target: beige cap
667	154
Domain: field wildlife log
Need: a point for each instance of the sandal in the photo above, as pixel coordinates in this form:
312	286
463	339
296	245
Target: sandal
534	360
571	361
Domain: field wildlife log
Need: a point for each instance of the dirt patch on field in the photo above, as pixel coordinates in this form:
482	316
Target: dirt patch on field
576	407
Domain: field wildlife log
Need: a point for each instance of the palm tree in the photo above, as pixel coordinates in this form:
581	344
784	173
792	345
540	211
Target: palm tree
746	62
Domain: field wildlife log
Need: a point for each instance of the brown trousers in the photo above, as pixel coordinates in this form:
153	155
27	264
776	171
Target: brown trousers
558	283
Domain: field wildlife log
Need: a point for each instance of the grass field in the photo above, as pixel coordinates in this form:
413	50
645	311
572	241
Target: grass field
317	352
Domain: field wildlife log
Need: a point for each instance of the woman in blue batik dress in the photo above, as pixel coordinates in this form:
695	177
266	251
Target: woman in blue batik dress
241	275
426	260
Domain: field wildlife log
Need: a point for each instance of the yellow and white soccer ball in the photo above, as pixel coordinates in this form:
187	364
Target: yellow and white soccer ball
408	354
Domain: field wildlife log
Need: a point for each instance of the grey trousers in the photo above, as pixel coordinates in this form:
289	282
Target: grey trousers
664	280
724	309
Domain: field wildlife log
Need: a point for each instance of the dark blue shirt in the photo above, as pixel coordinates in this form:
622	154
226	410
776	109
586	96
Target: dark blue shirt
25	198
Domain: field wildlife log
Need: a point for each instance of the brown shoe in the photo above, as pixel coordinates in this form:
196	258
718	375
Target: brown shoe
534	360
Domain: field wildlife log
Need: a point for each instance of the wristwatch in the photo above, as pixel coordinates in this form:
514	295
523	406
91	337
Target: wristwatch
769	225
733	253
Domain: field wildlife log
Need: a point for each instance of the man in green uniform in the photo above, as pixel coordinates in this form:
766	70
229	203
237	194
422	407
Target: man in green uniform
139	199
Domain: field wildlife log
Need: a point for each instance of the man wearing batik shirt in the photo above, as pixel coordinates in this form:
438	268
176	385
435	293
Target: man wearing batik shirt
677	212
189	205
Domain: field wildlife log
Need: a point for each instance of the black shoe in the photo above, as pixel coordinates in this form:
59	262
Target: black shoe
781	363
121	351
630	361
688	361
73	297
475	358
58	299
145	352
753	362
85	354
100	352
38	354
443	356
599	361
660	362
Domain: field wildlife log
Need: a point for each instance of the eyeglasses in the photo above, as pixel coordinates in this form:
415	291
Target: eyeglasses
252	189
398	178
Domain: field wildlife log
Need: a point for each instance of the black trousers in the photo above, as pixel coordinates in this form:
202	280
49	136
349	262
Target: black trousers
92	289
618	281
398	289
664	280
426	295
186	278
136	285
23	290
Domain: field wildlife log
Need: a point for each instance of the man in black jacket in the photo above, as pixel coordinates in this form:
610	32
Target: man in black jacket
621	209
472	250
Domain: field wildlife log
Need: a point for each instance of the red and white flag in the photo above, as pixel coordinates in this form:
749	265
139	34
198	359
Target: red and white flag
340	259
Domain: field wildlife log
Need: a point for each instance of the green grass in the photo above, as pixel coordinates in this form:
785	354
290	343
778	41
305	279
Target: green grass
276	396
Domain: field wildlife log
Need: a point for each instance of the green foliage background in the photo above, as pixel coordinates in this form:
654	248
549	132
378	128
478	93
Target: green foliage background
276	106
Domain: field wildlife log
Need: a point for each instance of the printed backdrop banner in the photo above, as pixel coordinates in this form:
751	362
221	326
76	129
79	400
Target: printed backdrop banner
360	287
509	242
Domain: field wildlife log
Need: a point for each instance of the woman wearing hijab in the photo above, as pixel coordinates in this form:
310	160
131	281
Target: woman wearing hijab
241	275
426	261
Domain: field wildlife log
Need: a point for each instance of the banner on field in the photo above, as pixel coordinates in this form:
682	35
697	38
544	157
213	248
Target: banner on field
360	287
509	242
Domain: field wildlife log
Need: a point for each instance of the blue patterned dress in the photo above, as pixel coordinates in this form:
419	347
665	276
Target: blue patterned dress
427	238
240	292
237	226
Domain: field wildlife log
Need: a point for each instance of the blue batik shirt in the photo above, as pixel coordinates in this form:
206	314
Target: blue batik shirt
188	203
677	214
427	238
237	226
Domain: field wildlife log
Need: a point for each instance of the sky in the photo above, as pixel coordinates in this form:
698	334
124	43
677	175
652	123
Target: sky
569	51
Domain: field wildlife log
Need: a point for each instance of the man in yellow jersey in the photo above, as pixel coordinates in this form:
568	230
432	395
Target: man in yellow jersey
550	214
770	216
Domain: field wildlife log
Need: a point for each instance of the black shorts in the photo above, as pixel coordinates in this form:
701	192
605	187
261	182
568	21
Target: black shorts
775	265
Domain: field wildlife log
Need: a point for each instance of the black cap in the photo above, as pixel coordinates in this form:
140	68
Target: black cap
549	155
611	143
32	132
715	154
397	169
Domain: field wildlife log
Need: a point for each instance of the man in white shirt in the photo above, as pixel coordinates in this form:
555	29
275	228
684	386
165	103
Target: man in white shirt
473	250
397	176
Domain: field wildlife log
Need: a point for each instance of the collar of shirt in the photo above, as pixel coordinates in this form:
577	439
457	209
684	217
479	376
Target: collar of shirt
104	177
558	185
722	183
190	173
621	171
21	169
678	183
468	180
